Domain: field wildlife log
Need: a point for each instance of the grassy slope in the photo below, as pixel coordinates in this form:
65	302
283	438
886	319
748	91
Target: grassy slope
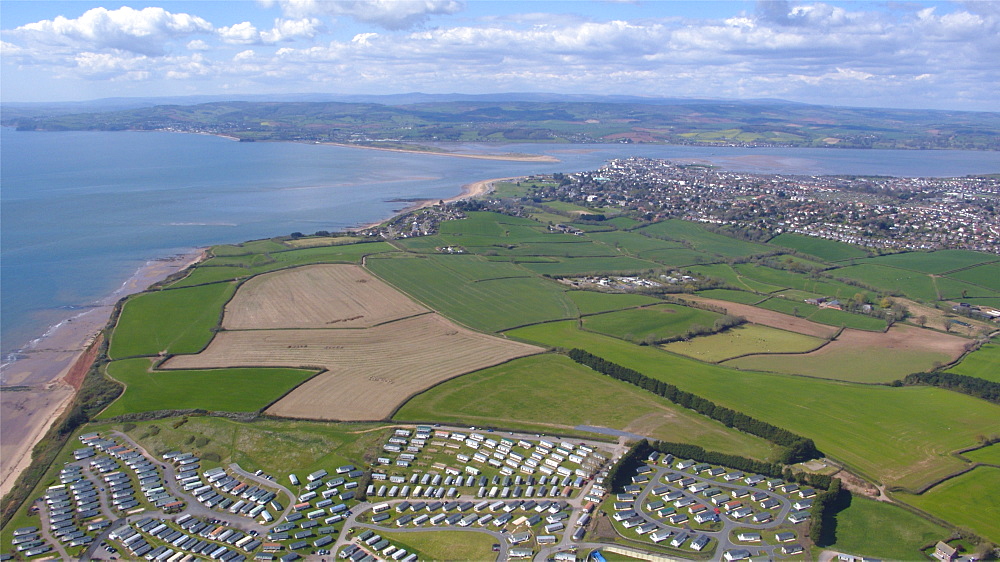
892	280
446	286
590	302
989	454
176	321
829	250
896	435
752	338
660	321
856	365
983	363
552	390
969	500
882	530
934	262
226	390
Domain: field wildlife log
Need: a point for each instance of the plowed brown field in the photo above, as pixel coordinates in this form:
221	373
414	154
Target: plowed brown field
316	296
369	372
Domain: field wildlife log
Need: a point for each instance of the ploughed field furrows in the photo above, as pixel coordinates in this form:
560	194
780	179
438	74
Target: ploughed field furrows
369	372
316	296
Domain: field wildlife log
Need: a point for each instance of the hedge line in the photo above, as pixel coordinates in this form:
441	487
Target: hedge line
973	386
798	448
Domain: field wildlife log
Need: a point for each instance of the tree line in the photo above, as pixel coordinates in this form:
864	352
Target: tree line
973	386
798	448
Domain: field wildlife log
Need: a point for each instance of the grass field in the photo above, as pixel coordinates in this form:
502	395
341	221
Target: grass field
590	302
788	307
865	364
937	262
989	454
251	247
224	390
369	372
447	285
984	363
632	243
555	392
840	318
703	240
278	447
732	296
987	275
969	501
679	257
175	321
582	266
246	265
657	322
883	530
445	545
891	280
742	340
894	435
827	250
953	289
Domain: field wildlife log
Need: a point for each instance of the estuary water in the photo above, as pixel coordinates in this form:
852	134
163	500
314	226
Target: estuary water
81	212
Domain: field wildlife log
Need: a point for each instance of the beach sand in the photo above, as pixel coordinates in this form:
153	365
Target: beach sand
49	371
506	157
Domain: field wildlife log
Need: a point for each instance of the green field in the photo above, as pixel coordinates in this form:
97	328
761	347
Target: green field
984	363
828	250
591	302
703	240
953	289
968	500
552	391
251	247
445	545
234	266
448	285
632	243
581	248
937	262
879	529
679	257
835	317
655	323
872	365
752	338
175	321
584	266
223	390
989	454
891	280
789	307
893	435
732	296
987	275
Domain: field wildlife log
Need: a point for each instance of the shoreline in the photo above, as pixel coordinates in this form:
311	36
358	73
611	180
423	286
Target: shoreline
469	191
50	367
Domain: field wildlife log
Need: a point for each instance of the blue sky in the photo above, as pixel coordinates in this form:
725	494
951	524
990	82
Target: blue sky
933	55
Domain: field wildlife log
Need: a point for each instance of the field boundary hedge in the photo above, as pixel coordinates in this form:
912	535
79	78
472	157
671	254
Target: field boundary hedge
798	448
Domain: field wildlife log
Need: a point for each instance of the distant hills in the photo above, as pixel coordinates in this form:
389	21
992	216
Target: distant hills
522	117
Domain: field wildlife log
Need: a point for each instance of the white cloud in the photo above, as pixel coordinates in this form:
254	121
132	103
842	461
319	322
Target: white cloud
197	45
390	14
284	30
241	34
138	31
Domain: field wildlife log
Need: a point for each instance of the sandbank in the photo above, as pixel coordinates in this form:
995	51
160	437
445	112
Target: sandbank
506	157
48	371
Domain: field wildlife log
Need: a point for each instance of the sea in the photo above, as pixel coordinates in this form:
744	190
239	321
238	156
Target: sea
82	212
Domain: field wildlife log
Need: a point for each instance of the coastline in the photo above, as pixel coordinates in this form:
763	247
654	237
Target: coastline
469	191
50	368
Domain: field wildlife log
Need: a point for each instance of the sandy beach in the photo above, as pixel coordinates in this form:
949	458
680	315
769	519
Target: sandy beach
469	190
39	385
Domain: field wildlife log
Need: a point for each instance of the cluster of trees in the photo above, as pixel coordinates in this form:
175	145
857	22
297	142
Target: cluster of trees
973	386
826	504
694	452
798	448
620	473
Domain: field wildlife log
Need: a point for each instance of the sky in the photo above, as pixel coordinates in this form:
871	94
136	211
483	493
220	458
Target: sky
901	54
